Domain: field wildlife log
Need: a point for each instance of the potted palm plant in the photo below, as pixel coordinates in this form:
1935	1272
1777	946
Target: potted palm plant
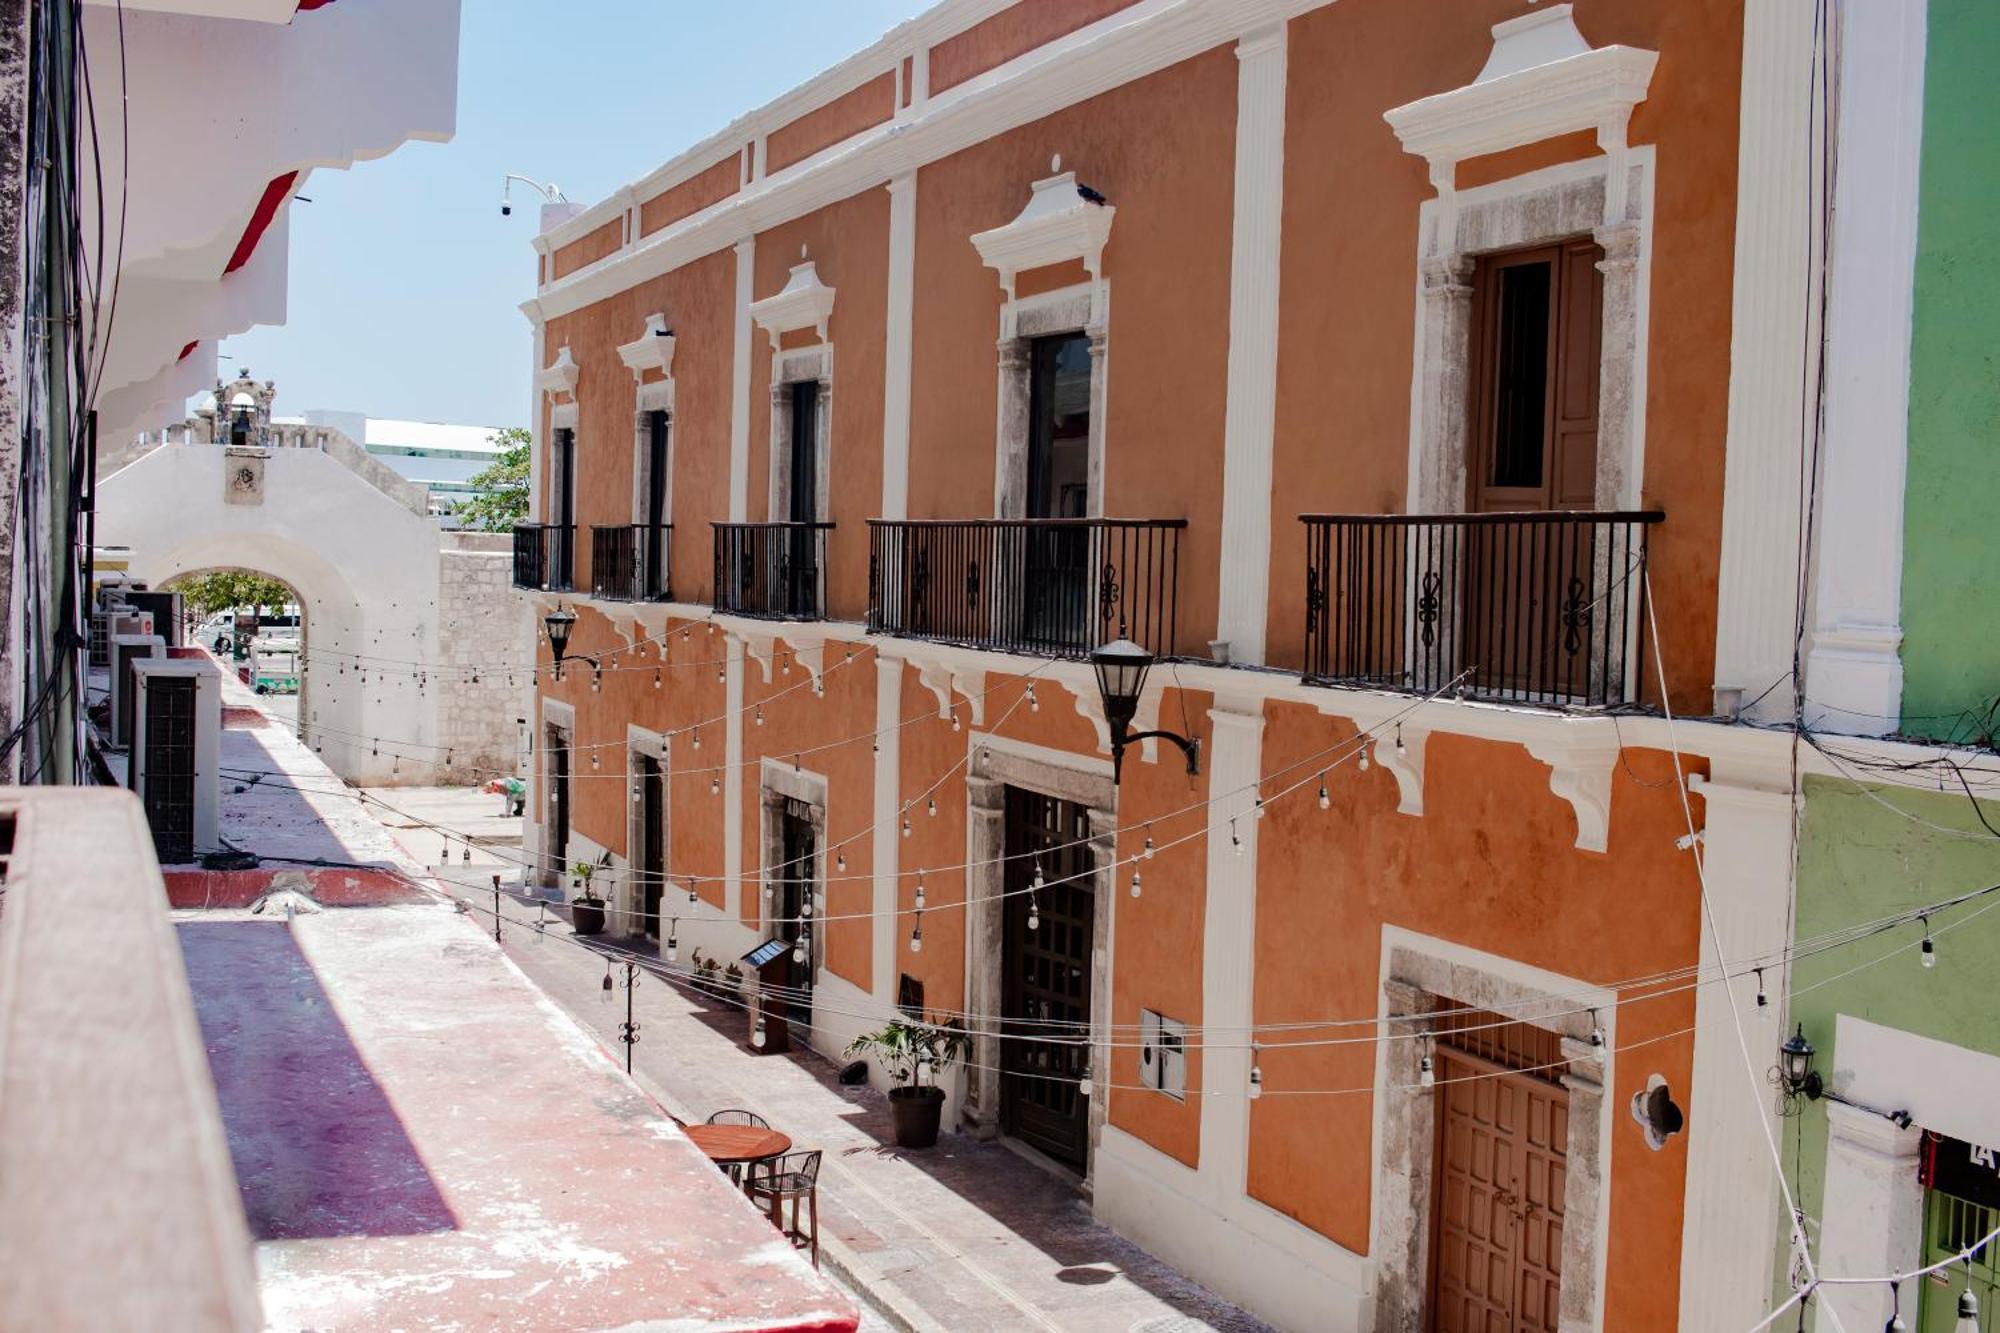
586	910
913	1054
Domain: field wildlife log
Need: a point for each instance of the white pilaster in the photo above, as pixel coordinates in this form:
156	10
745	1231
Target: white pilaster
1229	935
1251	410
1872	1217
739	393
1854	673
537	437
888	780
1770	347
732	781
896	358
1732	1204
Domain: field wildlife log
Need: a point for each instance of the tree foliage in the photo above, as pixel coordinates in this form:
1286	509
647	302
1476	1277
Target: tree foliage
503	498
205	594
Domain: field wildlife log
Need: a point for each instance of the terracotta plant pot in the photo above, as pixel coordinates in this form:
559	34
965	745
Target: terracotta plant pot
916	1112
586	915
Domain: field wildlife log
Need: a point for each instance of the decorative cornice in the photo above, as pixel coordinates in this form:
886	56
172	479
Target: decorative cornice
803	303
1541	80
1060	222
560	375
653	350
1118	49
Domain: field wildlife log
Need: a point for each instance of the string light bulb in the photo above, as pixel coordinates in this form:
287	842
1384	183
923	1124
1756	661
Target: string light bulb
930	806
607	981
1426	1071
673	943
693	896
1135	883
1400	748
906	822
1083	1085
1034	913
594	764
1927	953
840	862
1256	1075
1362	762
1147	850
697	738
1968	1307
1763	1000
758	1034
760	715
656	678
800	945
1596	1030
1258	810
920	891
1034	704
917	937
956	725
715	786
1235	841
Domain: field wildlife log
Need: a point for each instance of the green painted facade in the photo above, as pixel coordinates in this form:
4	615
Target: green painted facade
1951	558
1868	853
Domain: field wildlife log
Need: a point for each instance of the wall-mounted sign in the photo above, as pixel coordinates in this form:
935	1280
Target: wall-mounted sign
1968	1171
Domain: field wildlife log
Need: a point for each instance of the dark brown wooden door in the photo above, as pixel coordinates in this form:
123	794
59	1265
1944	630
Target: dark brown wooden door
1045	971
796	878
652	842
1497	1205
558	744
1537	334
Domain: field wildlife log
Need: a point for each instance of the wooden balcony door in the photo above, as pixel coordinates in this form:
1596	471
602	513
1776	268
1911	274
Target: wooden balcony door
1537	329
562	554
800	565
797	876
558	774
1497	1202
1056	561
654	552
1045	975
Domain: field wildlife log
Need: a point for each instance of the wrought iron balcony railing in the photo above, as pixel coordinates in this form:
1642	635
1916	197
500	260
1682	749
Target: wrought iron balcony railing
1538	608
1055	587
545	556
773	570
628	562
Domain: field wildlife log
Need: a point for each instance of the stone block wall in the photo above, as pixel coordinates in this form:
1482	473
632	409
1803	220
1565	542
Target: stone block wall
483	624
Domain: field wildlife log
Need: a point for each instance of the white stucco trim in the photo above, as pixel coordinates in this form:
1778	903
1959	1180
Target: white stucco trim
1854	670
560	375
1082	308
804	302
630	920
885	841
739	388
1538	207
658	396
651	350
1771	354
1731	1214
1872	1212
899	338
1415	966
1250	413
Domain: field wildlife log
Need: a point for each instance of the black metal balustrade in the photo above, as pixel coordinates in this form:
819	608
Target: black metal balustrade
773	570
1051	587
1539	608
628	562
545	556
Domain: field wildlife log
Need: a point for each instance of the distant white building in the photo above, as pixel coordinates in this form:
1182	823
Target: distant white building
433	454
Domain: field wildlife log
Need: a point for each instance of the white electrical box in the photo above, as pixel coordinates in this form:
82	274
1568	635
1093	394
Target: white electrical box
1163	1054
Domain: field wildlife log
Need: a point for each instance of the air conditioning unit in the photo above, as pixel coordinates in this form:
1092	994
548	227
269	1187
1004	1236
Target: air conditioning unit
127	649
107	622
176	755
165	608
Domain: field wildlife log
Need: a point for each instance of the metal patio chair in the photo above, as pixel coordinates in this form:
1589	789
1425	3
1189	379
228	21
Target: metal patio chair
795	1176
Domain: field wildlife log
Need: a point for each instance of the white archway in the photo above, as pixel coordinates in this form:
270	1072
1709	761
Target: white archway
365	566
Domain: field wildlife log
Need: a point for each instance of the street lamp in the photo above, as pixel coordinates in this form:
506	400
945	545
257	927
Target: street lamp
559	623
1121	667
1795	1065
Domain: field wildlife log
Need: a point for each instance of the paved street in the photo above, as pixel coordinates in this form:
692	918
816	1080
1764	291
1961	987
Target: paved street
966	1237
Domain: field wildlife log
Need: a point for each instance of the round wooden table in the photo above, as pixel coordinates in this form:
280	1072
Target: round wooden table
733	1145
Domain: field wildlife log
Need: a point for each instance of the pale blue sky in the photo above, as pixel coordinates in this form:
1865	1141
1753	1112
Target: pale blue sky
405	278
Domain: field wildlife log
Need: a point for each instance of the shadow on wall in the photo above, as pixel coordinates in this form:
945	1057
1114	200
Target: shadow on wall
319	1151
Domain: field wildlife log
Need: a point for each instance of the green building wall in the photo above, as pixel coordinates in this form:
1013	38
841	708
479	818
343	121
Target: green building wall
1868	853
1951	560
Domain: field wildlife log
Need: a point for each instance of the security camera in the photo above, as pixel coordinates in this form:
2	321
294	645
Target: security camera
506	209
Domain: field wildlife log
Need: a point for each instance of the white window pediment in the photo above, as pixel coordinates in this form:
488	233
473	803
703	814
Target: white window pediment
560	374
804	302
1541	80
1060	222
652	350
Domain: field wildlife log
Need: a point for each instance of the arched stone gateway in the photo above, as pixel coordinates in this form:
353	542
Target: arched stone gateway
411	630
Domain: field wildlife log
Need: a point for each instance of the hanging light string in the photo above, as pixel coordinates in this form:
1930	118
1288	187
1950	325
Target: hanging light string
1893	1281
992	1025
1665	981
1259	1036
1314	765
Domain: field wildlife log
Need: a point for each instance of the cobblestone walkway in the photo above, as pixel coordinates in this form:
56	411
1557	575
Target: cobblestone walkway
966	1237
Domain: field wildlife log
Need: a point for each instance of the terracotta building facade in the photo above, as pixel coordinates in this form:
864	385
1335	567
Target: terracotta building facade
1424	399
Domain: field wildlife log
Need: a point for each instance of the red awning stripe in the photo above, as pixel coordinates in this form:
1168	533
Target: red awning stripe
275	194
188	351
305	5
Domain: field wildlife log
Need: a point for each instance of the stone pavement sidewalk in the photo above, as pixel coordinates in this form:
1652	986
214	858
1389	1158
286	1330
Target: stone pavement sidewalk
966	1237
